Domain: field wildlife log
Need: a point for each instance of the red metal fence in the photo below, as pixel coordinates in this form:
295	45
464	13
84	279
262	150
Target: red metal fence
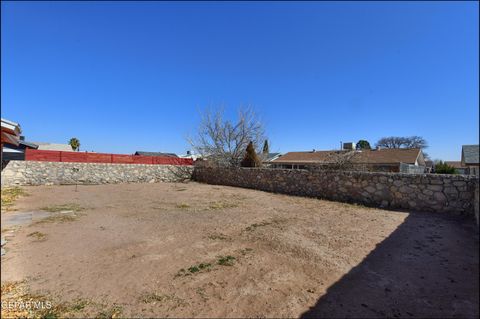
83	157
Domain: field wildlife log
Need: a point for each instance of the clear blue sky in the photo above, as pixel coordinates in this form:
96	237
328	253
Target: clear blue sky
127	76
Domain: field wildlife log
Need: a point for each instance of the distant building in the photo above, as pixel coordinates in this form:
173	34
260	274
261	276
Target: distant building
10	132
471	159
459	167
42	146
383	160
10	136
267	160
191	155
13	152
155	154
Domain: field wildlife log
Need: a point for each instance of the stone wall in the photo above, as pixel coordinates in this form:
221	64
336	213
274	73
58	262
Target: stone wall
419	192
59	173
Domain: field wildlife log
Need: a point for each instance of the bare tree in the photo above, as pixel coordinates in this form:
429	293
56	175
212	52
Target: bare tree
339	160
224	141
402	142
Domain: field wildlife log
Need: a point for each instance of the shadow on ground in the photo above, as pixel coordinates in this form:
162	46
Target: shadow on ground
428	267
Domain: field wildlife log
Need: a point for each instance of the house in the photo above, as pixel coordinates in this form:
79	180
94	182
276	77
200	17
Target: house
53	147
16	152
10	132
384	160
10	136
191	155
155	154
429	166
470	159
459	167
271	157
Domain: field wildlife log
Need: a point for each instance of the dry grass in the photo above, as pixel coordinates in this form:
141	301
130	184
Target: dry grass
222	205
38	236
218	237
273	222
64	207
58	218
113	312
28	305
17	293
156	298
9	196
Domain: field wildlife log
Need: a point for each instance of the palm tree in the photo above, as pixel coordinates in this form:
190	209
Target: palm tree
74	143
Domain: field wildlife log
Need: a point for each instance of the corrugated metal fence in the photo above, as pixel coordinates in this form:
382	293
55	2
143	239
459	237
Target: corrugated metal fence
411	169
83	157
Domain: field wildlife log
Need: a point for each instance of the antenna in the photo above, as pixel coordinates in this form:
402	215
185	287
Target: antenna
341	145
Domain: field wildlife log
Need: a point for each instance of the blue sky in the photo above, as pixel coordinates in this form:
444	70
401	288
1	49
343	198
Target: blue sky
127	76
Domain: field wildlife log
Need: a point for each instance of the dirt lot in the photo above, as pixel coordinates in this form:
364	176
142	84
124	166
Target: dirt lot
193	250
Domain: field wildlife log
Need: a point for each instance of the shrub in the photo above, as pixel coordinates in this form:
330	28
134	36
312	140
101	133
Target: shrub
444	168
251	158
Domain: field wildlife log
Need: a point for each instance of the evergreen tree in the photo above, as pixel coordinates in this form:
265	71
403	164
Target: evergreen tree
266	149
251	158
444	168
363	145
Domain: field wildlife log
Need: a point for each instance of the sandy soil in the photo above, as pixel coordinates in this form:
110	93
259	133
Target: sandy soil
194	250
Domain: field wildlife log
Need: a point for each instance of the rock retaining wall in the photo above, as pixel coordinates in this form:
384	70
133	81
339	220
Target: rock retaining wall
59	173
419	192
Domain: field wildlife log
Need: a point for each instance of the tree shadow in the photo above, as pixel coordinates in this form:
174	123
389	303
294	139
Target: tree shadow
428	267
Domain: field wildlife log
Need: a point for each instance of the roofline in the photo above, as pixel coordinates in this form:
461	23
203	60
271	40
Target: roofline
353	163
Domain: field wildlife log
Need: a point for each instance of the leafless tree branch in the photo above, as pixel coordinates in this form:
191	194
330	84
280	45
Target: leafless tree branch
224	141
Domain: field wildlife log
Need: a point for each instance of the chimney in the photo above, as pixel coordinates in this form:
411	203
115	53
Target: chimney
189	153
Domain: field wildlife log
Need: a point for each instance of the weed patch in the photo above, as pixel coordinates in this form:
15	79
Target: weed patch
183	206
194	269
246	251
218	237
222	205
112	312
226	260
9	196
254	226
58	218
273	222
38	236
64	207
154	297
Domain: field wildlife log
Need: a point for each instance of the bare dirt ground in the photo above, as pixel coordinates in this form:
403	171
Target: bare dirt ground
194	250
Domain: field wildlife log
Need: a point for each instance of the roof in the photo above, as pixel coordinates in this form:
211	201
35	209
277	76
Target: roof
155	154
381	156
28	144
53	147
272	156
456	164
10	132
429	163
470	154
24	143
10	125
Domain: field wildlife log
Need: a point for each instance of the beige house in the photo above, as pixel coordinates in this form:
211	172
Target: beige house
383	160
